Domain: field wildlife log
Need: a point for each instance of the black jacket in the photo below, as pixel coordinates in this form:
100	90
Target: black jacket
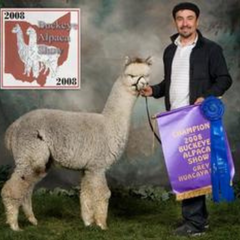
208	71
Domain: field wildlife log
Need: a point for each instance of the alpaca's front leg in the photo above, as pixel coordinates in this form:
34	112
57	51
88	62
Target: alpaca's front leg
101	195
86	200
94	198
47	67
25	69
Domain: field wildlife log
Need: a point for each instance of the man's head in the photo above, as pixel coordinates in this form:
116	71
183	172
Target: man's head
186	18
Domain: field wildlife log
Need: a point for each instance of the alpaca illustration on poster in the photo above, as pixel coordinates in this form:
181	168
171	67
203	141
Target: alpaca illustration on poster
36	55
23	50
31	55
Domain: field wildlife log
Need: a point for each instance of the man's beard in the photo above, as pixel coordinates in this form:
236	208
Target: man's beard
186	35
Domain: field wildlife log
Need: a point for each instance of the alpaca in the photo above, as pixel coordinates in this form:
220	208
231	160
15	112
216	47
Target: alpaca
33	55
82	141
40	53
23	49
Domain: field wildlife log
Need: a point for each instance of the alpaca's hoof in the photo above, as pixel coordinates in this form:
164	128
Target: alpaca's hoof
33	221
88	224
102	226
16	228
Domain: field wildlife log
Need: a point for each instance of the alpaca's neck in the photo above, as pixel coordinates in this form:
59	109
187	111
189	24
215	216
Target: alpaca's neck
21	45
20	41
117	113
32	39
120	103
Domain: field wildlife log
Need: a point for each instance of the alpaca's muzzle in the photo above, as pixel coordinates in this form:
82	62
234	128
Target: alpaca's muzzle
140	83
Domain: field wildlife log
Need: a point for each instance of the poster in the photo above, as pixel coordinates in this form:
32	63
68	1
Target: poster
40	48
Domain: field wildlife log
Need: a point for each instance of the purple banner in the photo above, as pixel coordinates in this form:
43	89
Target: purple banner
185	136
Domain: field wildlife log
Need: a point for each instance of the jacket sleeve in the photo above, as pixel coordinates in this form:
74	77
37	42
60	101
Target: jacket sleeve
159	90
219	73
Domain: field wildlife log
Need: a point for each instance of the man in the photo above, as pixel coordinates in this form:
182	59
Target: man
194	68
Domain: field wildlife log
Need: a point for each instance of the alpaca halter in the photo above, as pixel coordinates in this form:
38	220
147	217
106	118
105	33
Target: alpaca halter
150	123
136	84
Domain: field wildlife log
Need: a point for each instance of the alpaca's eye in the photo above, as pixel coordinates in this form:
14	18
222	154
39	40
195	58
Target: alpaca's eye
130	75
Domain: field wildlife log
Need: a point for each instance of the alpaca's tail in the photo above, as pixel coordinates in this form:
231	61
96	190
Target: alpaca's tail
10	133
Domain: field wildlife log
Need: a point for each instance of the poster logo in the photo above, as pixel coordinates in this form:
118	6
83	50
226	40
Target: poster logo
40	48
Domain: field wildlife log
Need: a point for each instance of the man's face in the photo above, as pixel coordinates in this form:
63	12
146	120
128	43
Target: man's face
186	23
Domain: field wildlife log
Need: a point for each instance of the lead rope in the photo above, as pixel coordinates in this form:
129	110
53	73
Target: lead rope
150	123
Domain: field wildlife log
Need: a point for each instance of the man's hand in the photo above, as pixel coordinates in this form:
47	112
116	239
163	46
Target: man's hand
199	100
146	92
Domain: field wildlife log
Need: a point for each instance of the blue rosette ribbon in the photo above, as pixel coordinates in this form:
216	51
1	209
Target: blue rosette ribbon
212	109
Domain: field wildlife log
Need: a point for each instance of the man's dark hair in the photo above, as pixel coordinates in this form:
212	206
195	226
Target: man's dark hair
186	6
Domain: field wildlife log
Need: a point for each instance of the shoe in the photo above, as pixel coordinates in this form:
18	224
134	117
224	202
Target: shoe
206	225
188	230
182	222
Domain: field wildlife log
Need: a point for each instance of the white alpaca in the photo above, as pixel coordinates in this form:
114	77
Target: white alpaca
49	59
37	66
23	50
87	141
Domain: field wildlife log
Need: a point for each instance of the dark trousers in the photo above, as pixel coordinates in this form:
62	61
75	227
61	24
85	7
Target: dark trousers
194	211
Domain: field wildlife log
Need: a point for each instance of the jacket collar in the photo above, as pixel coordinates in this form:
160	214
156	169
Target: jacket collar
199	41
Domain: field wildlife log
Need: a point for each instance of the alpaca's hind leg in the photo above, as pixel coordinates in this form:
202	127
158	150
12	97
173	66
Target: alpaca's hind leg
86	200
32	163
18	192
31	178
12	210
12	195
27	207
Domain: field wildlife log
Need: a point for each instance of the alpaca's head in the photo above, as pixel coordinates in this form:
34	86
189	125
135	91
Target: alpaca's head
30	31
16	29
136	73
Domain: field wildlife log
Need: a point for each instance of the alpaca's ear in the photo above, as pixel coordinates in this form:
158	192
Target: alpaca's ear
127	60
149	60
